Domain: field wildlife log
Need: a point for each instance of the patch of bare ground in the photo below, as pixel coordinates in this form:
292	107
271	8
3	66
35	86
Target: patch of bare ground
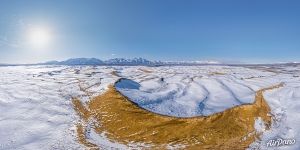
145	70
265	69
216	73
125	122
82	137
115	73
252	78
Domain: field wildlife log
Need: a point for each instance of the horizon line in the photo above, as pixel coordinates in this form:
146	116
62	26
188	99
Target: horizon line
218	61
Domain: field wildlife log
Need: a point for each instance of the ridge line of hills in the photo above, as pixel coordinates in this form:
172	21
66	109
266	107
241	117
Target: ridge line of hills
142	62
124	61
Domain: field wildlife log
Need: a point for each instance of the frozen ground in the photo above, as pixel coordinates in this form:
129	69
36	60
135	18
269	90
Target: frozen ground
36	109
192	91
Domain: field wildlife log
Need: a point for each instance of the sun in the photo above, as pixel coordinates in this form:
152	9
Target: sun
39	37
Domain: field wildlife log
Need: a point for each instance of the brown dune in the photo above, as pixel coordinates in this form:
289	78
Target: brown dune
125	122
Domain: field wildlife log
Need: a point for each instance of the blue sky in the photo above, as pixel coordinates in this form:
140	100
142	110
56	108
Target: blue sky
232	30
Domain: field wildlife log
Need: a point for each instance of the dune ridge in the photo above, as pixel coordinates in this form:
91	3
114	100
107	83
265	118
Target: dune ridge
125	122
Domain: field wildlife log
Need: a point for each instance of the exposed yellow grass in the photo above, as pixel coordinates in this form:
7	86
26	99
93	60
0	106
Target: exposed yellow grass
217	73
115	73
82	138
124	121
81	110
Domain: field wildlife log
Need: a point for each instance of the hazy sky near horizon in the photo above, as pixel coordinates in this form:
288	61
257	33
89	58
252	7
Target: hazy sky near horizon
231	30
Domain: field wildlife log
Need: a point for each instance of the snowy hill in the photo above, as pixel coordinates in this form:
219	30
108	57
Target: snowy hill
37	112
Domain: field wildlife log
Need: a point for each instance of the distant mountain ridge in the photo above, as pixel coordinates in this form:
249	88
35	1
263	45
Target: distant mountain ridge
82	61
124	61
143	62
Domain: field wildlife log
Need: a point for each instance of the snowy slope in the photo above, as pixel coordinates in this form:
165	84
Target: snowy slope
35	105
36	110
192	91
285	110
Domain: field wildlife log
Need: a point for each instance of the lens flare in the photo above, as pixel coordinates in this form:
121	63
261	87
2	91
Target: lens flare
39	37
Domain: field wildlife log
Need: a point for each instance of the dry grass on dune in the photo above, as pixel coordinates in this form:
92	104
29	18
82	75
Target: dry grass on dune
124	121
115	73
216	73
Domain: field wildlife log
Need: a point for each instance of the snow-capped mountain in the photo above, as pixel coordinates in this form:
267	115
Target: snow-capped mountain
82	61
204	62
123	61
76	61
53	62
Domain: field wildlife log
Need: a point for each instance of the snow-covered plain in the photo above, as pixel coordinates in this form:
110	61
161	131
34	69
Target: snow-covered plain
36	110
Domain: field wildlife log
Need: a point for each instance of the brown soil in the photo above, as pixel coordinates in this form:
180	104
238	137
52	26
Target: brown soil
125	122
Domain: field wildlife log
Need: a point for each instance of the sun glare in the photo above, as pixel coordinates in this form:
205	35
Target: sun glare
39	37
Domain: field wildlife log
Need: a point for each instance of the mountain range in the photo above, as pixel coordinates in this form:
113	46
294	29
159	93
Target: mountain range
124	61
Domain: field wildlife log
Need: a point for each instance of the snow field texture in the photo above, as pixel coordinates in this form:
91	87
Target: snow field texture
36	109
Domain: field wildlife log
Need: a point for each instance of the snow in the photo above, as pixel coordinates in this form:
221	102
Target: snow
285	109
36	110
192	91
259	125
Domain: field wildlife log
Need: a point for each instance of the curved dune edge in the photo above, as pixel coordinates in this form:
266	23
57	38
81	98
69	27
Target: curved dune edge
125	122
